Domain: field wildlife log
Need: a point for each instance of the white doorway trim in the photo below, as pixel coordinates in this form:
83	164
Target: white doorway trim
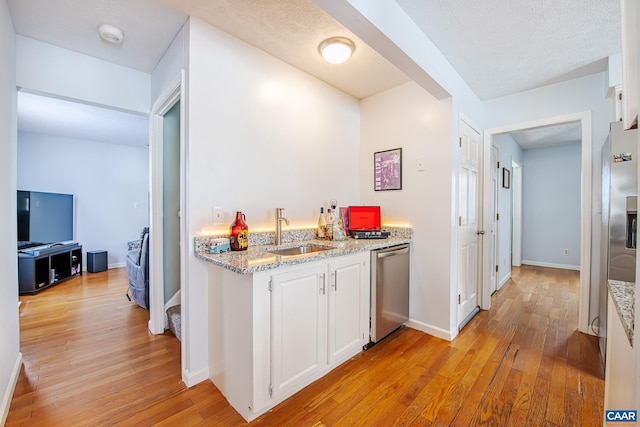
173	92
585	204
516	220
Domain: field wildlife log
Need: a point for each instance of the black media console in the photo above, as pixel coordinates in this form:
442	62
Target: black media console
44	266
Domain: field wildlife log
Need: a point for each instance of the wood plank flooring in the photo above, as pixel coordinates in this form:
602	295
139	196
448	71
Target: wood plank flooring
89	360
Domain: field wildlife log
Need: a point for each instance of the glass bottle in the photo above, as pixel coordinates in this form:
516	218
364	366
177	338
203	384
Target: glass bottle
239	238
322	224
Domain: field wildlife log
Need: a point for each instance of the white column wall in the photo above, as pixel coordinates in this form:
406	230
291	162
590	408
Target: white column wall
10	357
408	117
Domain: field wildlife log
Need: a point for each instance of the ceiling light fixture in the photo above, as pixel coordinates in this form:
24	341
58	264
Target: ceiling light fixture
111	33
336	50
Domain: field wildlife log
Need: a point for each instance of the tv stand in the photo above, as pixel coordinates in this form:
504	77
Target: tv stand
45	266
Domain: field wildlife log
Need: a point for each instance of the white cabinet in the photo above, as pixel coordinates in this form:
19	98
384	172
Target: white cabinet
298	335
619	377
274	332
348	325
319	319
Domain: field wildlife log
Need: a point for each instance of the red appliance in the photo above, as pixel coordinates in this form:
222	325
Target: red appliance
364	218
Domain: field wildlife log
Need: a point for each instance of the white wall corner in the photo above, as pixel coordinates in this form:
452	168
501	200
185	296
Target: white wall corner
192	378
432	330
11	386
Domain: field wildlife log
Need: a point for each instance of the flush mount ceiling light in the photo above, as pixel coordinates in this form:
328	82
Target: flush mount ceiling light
111	33
336	50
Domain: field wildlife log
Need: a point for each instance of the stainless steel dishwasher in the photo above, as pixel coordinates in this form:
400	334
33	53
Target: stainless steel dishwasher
389	291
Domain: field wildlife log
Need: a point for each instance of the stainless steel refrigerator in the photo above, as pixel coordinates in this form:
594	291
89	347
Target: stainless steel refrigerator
619	215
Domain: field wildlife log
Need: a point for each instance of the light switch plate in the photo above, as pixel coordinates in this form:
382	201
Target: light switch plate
420	164
218	215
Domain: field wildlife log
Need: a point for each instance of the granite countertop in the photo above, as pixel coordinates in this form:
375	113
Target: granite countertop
623	296
258	258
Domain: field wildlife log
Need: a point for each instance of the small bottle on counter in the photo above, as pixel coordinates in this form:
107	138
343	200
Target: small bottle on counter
239	238
331	219
322	224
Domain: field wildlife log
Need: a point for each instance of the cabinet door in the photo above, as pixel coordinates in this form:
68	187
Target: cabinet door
346	291
298	339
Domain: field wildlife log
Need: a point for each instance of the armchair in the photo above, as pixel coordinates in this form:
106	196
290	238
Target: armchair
138	269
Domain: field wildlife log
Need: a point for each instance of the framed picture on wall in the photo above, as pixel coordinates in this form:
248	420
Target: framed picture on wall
506	178
387	166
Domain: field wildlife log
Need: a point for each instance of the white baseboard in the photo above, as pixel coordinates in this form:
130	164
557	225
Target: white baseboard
551	265
432	330
192	378
116	265
11	387
503	281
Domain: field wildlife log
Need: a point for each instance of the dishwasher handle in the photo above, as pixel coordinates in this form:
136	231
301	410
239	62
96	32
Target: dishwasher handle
392	253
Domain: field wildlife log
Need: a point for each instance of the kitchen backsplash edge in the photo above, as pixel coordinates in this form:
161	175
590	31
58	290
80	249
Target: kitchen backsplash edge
201	243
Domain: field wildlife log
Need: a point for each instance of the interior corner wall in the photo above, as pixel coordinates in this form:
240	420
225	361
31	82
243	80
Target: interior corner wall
509	151
109	182
10	357
408	117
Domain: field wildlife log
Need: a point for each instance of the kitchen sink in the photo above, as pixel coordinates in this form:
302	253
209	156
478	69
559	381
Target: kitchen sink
300	250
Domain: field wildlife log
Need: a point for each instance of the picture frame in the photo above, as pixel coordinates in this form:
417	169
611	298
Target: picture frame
506	178
387	166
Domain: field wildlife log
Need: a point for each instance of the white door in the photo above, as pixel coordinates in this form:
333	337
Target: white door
469	266
493	219
298	338
345	299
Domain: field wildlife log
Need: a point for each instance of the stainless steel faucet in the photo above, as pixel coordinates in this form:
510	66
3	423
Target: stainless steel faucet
279	219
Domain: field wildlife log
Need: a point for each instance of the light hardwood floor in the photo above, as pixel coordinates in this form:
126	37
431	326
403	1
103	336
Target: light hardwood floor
89	360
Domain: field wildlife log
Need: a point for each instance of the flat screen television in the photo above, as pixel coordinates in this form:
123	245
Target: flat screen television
44	218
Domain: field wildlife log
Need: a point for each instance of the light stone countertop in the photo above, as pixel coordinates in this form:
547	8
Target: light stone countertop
258	258
623	296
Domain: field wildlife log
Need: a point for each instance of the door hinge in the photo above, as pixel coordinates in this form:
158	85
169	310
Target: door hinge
460	220
497	217
620	96
459	299
497	268
270	390
460	143
270	284
498	165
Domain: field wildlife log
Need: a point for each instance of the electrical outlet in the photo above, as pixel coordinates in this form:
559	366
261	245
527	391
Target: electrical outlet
566	251
218	215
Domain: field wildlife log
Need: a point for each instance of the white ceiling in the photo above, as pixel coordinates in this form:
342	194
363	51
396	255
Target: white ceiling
548	135
498	47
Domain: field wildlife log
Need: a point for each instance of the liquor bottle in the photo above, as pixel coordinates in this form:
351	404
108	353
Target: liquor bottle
331	219
239	238
322	224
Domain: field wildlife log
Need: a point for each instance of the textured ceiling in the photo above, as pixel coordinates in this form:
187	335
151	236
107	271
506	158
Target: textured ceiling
498	47
502	47
548	135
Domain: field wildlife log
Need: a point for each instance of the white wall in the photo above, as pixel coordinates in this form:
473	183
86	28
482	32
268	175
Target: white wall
509	151
10	357
109	183
261	135
551	206
79	77
408	117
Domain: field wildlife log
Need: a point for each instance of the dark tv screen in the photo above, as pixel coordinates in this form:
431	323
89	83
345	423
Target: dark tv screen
44	218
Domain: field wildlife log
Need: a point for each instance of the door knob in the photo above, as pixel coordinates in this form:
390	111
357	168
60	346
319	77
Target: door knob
480	232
